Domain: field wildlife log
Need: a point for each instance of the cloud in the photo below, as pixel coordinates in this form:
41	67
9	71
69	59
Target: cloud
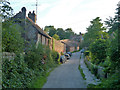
75	14
61	12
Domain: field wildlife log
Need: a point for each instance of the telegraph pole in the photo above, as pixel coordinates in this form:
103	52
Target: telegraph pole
36	9
36	5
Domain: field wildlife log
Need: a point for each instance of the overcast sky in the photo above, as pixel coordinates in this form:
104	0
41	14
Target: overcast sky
75	14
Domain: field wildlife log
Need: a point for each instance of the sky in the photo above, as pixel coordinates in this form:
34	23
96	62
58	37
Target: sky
75	14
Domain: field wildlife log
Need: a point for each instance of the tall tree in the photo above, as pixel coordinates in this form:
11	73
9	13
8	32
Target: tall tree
61	33
69	33
50	30
5	9
112	24
55	36
94	31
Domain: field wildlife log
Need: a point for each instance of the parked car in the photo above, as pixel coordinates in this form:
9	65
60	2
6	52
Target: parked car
82	51
67	56
63	59
69	53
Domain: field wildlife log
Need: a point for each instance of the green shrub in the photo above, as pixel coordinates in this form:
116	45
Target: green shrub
55	56
111	82
24	69
98	50
86	53
81	71
11	37
114	52
15	73
94	69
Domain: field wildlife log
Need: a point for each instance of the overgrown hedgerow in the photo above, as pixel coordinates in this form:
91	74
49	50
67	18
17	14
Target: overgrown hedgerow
25	68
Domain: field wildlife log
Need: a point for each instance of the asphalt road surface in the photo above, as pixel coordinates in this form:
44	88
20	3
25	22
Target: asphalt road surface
66	75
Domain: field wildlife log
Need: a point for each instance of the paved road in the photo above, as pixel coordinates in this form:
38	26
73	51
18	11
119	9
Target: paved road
66	75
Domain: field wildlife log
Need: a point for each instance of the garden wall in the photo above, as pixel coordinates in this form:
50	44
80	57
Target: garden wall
8	55
100	72
59	47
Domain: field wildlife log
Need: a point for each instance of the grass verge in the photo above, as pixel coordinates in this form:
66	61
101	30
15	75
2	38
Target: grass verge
75	51
41	80
81	71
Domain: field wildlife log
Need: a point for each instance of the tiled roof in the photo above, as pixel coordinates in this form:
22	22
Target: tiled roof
70	42
38	28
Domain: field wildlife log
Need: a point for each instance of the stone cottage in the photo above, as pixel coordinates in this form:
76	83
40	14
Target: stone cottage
71	45
32	31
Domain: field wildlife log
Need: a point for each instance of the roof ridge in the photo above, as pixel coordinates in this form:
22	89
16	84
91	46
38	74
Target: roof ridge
38	28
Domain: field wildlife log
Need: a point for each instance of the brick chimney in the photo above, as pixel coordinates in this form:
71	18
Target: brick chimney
32	16
23	12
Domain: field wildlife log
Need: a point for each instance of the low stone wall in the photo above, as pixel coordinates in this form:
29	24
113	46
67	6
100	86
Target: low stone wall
100	69
101	73
88	63
8	55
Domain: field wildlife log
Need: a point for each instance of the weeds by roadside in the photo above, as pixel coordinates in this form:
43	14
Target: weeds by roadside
41	80
81	71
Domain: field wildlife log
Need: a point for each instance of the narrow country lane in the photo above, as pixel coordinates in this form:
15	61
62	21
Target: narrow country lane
66	75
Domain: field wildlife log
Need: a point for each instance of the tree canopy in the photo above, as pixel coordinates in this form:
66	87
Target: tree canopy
63	34
94	31
55	36
5	9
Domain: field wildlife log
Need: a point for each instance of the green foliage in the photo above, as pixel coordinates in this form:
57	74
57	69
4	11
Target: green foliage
69	33
50	30
106	53
55	56
5	9
63	34
53	45
16	73
11	37
40	81
81	71
86	53
94	69
24	69
34	56
98	50
106	65
112	61
114	52
55	36
94	31
111	82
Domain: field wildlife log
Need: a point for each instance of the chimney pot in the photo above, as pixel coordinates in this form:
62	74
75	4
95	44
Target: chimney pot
23	9
32	16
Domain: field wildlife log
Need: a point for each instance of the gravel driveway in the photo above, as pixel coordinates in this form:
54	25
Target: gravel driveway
66	75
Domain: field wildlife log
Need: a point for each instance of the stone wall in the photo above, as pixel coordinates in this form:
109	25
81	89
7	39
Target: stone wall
47	41
34	33
8	55
59	47
100	69
31	33
43	40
